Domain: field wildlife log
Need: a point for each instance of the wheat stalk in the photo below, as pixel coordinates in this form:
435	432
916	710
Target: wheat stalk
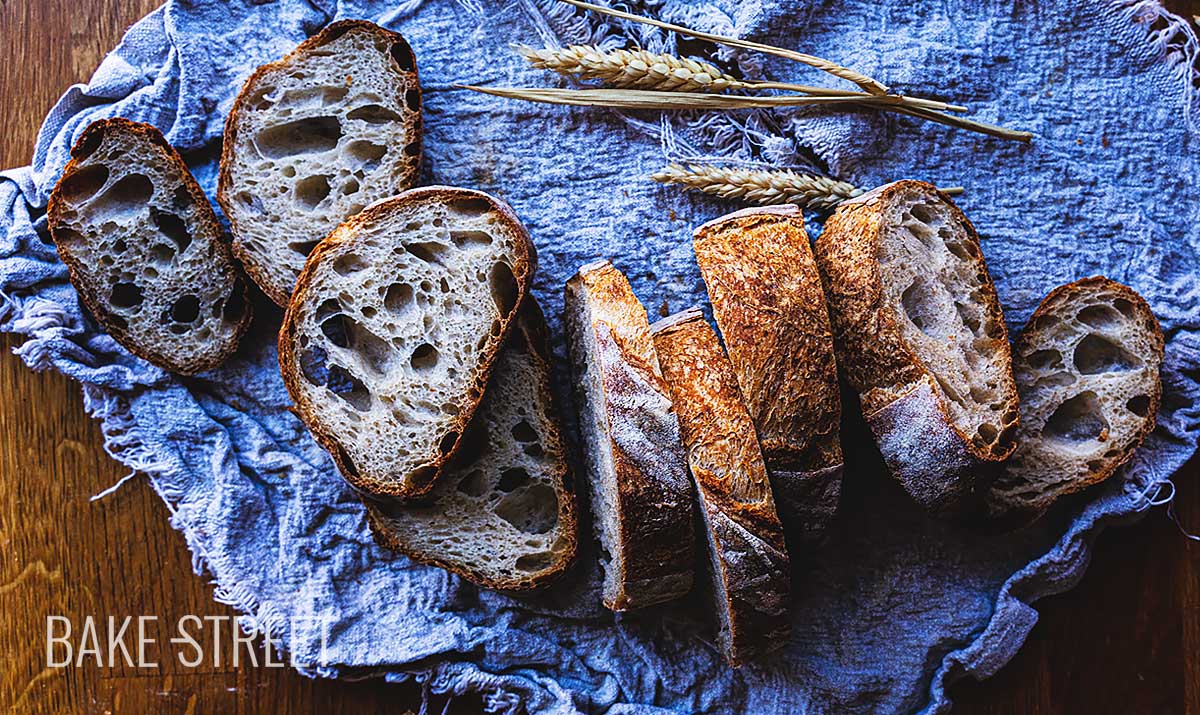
765	187
642	69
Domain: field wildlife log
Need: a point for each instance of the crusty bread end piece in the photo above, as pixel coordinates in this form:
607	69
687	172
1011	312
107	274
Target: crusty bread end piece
393	330
503	516
767	298
314	138
641	497
921	337
746	548
144	249
1087	368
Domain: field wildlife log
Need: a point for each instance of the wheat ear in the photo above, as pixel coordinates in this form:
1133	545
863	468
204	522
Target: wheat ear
765	187
642	69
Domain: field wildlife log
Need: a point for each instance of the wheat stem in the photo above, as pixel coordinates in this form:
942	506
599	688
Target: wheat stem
765	187
642	69
866	83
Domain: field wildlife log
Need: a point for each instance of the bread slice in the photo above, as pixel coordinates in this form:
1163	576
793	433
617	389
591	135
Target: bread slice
640	492
1087	368
767	299
746	548
921	337
394	327
314	138
145	251
503	515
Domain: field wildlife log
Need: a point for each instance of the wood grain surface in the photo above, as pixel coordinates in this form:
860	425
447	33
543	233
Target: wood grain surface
1126	640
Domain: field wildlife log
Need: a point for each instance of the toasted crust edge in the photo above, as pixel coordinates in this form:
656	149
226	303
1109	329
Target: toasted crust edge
531	327
289	367
208	217
225	176
846	255
662	568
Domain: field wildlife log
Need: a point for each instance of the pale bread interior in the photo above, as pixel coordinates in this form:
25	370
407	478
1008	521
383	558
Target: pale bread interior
495	511
317	140
934	282
148	251
397	322
1087	373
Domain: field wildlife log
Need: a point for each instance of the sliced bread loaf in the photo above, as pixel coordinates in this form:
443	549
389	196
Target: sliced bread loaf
747	555
1087	368
503	515
314	138
641	496
144	248
394	327
767	299
921	337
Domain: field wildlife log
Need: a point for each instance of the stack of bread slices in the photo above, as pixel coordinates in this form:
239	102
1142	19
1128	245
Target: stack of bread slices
417	356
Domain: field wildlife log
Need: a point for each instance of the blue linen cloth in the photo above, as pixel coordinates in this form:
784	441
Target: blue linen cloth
895	606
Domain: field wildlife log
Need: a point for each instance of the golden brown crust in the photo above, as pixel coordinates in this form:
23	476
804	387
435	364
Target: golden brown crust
653	491
531	331
87	143
289	363
225	178
768	301
881	365
750	556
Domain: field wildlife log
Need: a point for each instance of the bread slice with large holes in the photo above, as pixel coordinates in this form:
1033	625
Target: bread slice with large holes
314	138
747	555
394	327
641	496
1087	368
503	515
920	334
144	249
767	298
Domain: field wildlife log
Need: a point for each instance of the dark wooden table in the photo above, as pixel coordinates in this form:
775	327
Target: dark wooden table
1126	640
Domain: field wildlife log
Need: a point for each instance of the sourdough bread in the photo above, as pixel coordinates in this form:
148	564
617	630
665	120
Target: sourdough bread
1087	369
921	337
314	138
641	496
503	515
747	555
393	329
144	249
767	298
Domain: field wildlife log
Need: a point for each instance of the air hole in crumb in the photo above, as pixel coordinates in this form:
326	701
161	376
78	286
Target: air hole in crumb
186	309
312	190
533	510
922	213
446	446
1124	307
349	388
512	478
428	251
301	136
374	114
124	199
1043	359
532	563
469	239
412	148
348	263
347	462
988	432
126	295
398	298
172	227
402	55
425	357
1098	316
1077	421
1096	354
350	187
368	153
88	144
120	246
303	247
920	308
534	450
503	287
473	484
412	99
524	432
67	236
84	184
1139	405
161	253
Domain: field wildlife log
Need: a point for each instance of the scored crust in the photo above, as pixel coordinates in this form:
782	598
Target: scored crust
648	529
209	232
768	301
747	551
1087	367
884	348
410	163
481	471
421	480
